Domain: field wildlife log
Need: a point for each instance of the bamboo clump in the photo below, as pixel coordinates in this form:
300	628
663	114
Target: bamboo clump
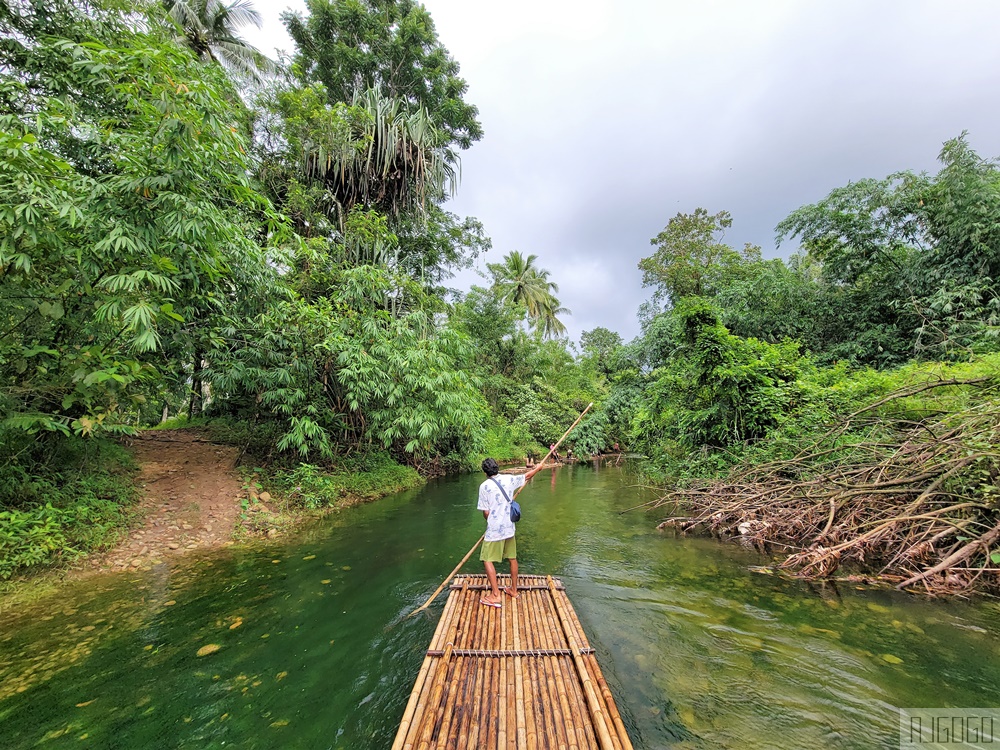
522	677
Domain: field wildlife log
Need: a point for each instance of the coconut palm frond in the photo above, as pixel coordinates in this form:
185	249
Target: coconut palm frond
210	29
241	13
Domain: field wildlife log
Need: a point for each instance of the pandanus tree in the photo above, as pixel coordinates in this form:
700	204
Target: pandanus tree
524	283
397	161
376	153
210	28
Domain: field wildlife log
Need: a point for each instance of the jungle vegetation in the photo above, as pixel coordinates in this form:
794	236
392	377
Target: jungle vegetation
193	234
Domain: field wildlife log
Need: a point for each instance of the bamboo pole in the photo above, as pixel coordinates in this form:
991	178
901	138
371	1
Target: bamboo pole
562	684
449	707
460	729
502	699
522	734
603	733
431	710
446	580
609	699
468	554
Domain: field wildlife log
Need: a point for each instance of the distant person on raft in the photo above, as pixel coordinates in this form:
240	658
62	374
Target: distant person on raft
495	496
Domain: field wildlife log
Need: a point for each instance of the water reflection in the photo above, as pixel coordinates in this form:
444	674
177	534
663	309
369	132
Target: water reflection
305	644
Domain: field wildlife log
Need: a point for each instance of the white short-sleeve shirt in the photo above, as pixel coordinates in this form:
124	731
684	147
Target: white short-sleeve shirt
498	524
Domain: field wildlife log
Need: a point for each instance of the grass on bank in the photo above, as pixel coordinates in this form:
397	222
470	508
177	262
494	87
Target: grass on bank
80	499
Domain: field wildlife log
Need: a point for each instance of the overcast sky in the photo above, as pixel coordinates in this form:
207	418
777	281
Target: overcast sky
604	119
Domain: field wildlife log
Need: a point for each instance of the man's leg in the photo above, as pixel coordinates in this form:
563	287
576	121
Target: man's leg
491	574
512	589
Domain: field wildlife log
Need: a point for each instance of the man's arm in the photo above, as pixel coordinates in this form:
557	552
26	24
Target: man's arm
531	472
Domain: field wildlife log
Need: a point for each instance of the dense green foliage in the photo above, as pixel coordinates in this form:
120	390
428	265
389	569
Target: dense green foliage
741	355
73	496
174	243
181	236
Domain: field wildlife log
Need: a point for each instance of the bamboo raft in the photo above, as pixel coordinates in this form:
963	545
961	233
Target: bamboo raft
522	677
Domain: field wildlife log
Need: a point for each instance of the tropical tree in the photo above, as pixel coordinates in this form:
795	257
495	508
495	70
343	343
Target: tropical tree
211	29
127	218
524	283
691	259
351	46
374	153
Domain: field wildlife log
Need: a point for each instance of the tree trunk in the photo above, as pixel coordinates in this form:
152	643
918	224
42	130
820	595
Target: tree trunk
194	411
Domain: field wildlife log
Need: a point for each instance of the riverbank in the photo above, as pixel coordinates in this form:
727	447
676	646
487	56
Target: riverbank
168	492
888	476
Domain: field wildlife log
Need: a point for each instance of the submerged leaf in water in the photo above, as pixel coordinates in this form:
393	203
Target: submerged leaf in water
236	623
309	557
891	659
210	648
280	723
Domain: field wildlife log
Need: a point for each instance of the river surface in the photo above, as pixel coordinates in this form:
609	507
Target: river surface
305	643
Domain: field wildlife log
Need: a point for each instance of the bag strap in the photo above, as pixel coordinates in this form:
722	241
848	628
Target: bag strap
502	490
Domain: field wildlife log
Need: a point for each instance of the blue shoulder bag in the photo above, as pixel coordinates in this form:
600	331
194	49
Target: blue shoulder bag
515	509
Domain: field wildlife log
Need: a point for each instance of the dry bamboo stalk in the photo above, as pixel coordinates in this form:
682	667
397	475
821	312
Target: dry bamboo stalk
570	721
536	634
411	705
577	706
415	727
502	677
530	717
447	621
461	621
520	714
431	707
503	701
465	698
477	703
559	719
472	636
594	671
513	728
550	623
609	699
603	733
451	699
561	684
492	736
469	699
581	707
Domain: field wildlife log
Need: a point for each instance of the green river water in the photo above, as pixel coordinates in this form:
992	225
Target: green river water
700	651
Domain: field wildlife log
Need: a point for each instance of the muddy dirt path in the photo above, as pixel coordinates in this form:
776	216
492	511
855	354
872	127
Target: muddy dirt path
191	499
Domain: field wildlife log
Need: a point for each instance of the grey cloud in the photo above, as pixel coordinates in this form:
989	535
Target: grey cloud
593	143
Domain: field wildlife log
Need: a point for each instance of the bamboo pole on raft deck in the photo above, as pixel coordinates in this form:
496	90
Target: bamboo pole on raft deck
468	554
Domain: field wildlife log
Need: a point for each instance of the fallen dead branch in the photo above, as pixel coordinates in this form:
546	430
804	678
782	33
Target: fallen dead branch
908	498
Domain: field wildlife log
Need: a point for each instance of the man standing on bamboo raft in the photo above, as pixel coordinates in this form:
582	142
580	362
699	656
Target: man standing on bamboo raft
495	496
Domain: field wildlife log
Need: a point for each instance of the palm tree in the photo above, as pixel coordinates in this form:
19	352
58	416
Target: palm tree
209	28
524	283
549	325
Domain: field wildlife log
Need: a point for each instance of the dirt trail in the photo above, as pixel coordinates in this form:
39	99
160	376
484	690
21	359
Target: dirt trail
191	498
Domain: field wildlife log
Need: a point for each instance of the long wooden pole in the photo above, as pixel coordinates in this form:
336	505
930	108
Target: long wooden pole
468	554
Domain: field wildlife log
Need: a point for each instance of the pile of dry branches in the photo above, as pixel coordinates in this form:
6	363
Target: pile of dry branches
906	496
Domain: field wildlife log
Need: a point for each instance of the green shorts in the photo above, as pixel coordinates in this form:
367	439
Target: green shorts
505	549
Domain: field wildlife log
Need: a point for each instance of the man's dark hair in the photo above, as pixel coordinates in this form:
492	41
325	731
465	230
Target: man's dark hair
491	467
